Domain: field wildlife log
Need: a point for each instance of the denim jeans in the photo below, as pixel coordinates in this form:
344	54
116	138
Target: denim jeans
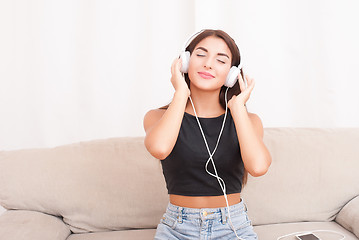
205	223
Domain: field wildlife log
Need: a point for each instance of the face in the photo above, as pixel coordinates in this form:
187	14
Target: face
210	63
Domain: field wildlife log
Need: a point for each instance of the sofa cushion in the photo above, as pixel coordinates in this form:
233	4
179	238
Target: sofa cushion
314	173
138	234
324	230
348	217
109	184
265	232
25	225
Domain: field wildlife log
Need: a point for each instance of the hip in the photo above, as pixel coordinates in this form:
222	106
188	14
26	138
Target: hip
205	223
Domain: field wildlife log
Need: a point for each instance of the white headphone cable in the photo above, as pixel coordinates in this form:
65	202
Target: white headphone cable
308	232
219	179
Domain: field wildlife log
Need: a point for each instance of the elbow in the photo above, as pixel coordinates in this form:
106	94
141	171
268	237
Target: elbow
261	169
159	151
257	172
160	154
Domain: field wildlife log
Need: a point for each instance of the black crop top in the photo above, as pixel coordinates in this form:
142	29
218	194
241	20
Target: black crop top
184	169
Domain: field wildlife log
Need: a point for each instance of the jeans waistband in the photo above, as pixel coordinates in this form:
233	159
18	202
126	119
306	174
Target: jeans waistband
206	213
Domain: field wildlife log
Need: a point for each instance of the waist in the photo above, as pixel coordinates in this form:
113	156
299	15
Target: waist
205	201
205	213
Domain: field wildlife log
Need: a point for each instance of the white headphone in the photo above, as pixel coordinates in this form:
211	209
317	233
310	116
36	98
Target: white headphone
232	75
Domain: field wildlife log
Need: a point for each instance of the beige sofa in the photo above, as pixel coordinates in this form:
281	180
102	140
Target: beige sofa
113	189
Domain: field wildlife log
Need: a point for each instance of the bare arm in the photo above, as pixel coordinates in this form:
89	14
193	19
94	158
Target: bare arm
255	155
162	126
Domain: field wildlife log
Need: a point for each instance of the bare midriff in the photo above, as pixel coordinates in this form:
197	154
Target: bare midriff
204	201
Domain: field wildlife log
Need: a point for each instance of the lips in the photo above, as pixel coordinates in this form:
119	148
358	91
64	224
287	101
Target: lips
206	75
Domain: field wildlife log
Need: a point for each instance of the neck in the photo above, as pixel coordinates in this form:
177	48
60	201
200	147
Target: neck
206	103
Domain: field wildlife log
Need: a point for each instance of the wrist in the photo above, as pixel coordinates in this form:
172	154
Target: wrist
182	92
237	108
232	104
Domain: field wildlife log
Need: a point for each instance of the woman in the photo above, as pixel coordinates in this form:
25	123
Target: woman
205	152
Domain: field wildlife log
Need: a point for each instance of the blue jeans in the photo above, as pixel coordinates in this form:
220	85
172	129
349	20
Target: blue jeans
205	223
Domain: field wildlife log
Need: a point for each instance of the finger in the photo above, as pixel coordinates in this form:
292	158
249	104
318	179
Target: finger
179	65
242	86
233	98
245	80
251	85
176	66
248	80
251	80
173	66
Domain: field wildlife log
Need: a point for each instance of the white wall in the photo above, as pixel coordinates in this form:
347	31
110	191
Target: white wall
80	70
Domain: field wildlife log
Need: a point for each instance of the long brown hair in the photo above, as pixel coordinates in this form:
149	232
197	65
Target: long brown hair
236	58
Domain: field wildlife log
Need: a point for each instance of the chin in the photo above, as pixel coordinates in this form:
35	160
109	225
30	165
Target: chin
208	87
207	84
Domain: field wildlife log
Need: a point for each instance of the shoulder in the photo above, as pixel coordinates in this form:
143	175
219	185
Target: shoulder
256	122
154	114
152	117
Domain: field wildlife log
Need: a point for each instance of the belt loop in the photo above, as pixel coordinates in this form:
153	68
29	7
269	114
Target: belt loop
180	212
224	217
245	206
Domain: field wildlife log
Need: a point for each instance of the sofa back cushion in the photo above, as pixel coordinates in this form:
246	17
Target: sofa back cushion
100	185
314	173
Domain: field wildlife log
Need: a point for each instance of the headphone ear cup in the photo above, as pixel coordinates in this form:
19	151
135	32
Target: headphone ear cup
185	61
232	77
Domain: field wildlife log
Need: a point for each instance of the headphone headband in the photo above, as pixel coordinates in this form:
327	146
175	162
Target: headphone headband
193	36
190	39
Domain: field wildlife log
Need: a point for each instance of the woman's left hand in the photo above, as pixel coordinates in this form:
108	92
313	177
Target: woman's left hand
242	98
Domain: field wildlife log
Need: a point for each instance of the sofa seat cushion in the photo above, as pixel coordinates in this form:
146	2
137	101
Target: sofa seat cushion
265	232
348	217
274	231
25	225
140	234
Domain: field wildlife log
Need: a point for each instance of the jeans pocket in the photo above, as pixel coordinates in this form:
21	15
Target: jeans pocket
169	220
241	221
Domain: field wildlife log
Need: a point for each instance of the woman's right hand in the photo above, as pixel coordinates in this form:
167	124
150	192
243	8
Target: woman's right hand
177	79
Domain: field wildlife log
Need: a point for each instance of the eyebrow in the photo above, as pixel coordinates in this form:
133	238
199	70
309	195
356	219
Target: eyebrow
219	54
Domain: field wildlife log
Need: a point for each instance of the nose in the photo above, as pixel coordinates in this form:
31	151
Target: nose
208	63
